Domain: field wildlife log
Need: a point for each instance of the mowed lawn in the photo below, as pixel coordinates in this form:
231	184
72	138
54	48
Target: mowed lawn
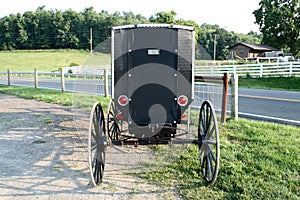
49	60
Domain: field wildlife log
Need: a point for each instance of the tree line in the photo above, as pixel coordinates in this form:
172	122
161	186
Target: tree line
56	29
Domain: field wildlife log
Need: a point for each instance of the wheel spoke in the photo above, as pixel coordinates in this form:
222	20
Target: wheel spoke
97	172
96	124
204	121
212	170
94	135
111	128
212	142
210	132
93	147
201	153
207	167
213	155
208	118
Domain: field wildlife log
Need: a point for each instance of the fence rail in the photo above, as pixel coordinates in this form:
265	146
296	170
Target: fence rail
286	69
85	83
52	74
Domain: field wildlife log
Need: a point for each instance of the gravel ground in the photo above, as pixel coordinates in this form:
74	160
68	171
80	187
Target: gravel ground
43	156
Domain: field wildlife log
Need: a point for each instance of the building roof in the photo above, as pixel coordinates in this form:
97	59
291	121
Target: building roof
259	47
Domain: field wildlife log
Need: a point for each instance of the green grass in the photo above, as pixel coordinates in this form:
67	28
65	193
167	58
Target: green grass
47	60
83	101
278	83
259	160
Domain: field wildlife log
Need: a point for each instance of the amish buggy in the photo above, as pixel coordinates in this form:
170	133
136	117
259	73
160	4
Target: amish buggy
152	76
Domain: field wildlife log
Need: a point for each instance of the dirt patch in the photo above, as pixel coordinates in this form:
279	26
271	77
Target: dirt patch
43	155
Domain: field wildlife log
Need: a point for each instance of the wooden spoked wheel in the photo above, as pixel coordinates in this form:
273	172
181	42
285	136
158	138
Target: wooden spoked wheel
97	144
209	148
113	129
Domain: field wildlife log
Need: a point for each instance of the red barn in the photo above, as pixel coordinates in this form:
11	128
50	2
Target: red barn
246	50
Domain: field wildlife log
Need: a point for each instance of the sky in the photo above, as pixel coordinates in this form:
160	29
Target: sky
233	15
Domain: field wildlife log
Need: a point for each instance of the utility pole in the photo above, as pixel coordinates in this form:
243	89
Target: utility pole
91	40
215	47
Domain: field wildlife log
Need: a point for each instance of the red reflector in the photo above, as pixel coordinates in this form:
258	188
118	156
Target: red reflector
183	116
123	100
182	100
120	116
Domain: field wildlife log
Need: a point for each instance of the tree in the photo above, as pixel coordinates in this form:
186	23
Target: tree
279	22
169	18
21	37
74	21
164	17
31	26
7	33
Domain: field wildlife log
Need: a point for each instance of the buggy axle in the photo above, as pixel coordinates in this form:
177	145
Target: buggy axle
137	142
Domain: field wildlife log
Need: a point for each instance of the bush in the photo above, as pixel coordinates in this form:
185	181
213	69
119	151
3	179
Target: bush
72	64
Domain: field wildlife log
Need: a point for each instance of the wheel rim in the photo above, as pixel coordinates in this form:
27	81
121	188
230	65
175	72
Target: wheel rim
113	129
208	134
96	144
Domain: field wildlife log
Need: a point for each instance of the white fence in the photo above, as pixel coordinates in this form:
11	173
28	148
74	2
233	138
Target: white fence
100	83
287	69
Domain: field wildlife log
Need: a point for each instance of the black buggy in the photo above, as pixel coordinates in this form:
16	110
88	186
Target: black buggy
152	90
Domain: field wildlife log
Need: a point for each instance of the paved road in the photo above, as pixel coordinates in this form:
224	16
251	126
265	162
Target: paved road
276	105
271	105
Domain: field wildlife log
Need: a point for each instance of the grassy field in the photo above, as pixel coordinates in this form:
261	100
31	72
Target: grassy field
279	83
49	60
259	160
46	61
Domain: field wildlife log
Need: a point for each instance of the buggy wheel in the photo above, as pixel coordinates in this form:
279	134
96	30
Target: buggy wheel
208	134
96	144
113	129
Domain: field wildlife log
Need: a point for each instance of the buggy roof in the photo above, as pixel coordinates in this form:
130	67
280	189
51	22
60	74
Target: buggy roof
171	26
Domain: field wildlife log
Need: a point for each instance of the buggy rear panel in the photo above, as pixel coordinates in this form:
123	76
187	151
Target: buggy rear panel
152	65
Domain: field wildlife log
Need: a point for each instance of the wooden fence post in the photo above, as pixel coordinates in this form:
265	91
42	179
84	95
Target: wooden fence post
36	79
106	82
62	78
224	98
234	97
8	77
